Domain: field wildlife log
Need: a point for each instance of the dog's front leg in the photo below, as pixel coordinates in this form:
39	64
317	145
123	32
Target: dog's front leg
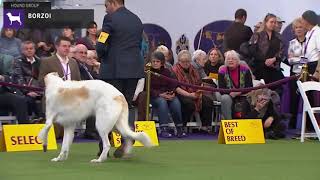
67	140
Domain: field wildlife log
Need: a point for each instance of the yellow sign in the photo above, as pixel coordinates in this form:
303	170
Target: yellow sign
25	138
149	127
241	131
103	37
213	75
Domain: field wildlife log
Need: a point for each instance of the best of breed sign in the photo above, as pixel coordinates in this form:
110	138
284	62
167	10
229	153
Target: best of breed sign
25	138
148	127
241	131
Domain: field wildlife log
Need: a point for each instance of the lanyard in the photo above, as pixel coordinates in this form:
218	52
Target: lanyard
65	72
306	45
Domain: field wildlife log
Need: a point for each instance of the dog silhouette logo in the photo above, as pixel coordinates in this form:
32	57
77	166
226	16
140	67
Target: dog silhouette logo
13	18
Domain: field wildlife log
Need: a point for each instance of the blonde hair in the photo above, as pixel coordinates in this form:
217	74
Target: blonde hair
163	49
184	52
266	19
296	22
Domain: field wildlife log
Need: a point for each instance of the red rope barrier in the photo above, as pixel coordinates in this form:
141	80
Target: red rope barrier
245	90
18	86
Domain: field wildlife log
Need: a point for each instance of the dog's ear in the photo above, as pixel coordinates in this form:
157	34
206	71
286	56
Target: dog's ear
55	74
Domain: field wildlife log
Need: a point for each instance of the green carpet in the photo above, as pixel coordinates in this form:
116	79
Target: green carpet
178	160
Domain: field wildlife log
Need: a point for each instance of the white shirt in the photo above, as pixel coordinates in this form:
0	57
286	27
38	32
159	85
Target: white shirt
313	44
31	61
296	49
65	67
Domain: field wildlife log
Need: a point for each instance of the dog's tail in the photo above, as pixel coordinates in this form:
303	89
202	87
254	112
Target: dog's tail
43	134
124	129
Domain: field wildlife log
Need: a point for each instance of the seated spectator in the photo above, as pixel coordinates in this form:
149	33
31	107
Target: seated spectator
199	59
90	39
86	74
215	60
9	44
41	37
68	32
26	72
261	106
92	62
165	52
6	61
8	99
191	99
233	75
163	97
81	58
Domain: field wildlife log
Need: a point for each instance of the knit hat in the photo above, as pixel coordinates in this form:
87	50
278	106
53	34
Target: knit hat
311	17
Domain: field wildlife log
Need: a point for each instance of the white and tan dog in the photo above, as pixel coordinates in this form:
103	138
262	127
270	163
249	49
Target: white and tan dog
70	102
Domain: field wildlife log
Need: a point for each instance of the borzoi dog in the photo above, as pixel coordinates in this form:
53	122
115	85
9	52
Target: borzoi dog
70	102
13	18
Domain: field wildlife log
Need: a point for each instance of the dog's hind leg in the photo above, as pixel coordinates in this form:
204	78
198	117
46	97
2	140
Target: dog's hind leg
106	147
104	124
67	141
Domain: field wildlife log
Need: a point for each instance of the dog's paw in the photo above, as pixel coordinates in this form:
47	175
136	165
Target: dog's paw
57	159
95	161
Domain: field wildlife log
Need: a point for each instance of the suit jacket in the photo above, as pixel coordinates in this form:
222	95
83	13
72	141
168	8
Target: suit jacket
85	71
52	64
120	54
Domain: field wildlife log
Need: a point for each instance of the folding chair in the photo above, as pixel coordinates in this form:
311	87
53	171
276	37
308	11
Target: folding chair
303	88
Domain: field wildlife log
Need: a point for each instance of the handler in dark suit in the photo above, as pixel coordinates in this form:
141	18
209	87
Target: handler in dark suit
67	68
118	47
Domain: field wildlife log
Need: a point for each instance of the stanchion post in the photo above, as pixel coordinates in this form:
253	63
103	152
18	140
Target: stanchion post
304	73
148	71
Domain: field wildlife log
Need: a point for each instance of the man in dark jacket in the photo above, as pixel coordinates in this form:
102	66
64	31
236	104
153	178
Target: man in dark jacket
237	33
15	102
26	72
118	47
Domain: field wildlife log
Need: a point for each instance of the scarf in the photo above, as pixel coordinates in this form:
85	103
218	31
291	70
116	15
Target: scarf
190	76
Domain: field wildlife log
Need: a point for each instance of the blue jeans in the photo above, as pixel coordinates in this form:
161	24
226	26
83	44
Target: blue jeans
164	106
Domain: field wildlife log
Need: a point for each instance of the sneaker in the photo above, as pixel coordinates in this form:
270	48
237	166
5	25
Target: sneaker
165	133
180	132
